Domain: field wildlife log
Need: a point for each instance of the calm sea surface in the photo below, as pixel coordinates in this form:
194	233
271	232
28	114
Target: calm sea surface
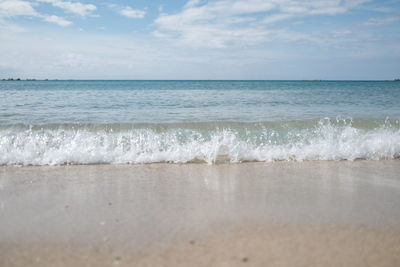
43	102
85	122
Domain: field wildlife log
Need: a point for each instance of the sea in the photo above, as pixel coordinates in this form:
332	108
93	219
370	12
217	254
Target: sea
58	122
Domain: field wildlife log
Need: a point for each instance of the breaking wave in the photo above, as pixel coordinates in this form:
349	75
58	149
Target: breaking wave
208	142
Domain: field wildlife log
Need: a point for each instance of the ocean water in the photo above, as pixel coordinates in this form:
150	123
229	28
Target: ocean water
90	122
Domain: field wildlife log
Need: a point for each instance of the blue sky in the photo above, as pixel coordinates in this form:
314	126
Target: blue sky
198	39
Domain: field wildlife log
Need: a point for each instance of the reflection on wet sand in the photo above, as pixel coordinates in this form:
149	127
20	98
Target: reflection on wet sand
130	207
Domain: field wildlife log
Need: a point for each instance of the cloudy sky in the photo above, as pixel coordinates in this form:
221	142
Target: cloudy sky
199	39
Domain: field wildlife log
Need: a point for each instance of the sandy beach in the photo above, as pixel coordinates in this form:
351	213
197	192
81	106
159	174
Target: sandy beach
277	214
199	133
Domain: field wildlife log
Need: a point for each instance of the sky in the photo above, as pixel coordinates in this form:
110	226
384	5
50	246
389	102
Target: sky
199	39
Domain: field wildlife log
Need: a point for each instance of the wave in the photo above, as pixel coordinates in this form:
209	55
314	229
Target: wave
209	142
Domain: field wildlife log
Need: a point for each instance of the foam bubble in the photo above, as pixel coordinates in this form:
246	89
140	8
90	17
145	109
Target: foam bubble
84	145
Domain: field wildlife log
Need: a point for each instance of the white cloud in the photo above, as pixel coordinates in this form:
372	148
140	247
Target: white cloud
57	20
76	8
9	27
132	13
277	17
12	8
344	32
72	59
381	21
220	23
230	24
126	56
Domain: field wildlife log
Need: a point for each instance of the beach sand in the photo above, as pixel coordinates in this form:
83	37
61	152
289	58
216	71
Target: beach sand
255	214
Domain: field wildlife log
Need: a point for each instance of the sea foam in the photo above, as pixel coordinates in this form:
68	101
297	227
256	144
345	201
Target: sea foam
55	145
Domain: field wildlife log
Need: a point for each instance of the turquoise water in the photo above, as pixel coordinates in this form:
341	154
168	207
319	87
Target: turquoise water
85	122
44	102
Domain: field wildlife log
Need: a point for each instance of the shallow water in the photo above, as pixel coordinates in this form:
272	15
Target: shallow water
87	122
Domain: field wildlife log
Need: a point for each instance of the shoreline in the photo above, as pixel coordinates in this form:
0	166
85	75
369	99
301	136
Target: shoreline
326	211
221	160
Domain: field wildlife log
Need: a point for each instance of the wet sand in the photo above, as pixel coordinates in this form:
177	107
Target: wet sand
258	214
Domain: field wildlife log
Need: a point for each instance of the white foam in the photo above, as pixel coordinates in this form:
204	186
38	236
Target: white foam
325	141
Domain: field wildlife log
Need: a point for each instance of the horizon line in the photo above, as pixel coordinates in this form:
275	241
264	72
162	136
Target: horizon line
306	80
